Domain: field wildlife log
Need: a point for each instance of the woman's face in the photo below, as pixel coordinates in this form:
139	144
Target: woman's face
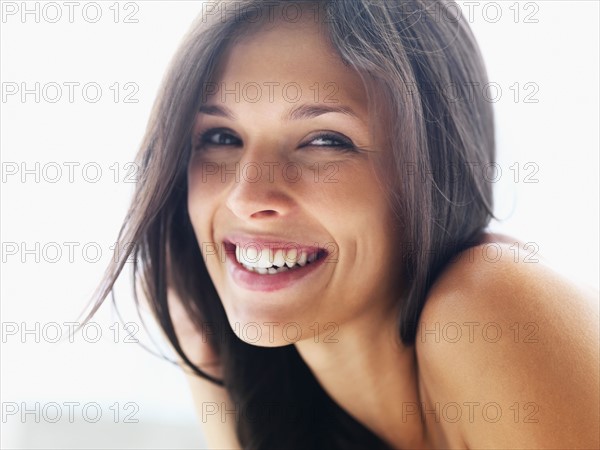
284	195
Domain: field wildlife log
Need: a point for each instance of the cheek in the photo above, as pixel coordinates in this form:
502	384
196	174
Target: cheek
353	202
203	195
203	179
366	223
202	204
356	214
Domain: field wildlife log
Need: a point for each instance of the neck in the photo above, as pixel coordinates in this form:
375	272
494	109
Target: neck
373	376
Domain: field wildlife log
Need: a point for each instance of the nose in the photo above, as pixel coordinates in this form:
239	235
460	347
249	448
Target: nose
260	190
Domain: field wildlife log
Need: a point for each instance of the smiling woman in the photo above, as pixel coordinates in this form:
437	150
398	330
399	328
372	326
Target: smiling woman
314	242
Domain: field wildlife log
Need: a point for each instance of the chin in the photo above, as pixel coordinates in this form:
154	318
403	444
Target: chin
258	321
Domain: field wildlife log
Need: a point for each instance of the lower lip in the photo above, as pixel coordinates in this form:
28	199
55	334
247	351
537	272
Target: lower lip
254	281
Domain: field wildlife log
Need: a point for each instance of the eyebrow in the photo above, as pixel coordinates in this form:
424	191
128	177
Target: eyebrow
299	112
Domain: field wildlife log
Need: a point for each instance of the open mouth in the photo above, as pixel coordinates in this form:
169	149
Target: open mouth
271	260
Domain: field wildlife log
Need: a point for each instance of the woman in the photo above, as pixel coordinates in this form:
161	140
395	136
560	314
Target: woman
311	230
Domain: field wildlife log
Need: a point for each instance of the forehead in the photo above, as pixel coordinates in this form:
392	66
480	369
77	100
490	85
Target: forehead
291	61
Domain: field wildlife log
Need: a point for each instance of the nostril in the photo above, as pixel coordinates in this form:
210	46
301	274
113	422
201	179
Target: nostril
264	213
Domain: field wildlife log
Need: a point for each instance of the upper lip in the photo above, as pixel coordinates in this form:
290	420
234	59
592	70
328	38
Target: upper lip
264	241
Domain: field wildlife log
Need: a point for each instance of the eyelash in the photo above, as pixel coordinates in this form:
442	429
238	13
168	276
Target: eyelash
204	139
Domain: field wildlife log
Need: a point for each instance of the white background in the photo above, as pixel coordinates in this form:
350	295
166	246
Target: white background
559	133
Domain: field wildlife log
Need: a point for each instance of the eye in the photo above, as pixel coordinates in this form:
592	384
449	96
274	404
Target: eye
331	140
219	137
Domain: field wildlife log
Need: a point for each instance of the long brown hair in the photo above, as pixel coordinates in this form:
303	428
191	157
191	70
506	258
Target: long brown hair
411	55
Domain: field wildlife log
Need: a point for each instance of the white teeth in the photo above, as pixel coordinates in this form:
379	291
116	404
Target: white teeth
291	256
249	255
302	260
269	271
266	258
267	261
278	259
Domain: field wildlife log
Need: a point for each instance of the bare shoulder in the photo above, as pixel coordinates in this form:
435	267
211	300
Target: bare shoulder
516	345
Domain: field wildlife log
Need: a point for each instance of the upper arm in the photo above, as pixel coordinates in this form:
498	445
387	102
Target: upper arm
516	347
